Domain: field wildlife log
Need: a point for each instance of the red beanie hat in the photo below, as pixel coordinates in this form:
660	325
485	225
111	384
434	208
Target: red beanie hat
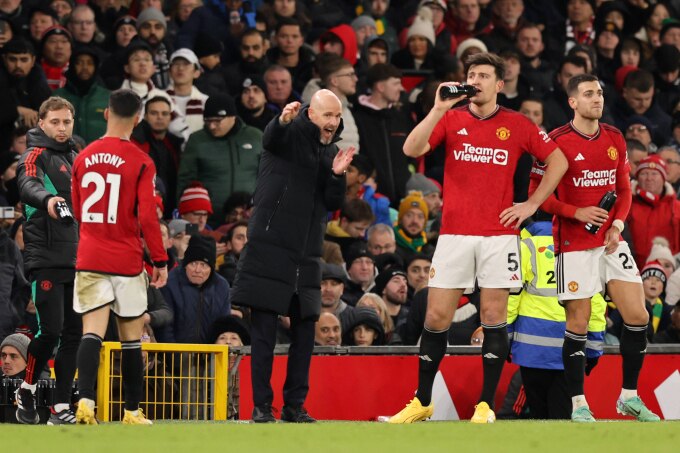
652	162
195	198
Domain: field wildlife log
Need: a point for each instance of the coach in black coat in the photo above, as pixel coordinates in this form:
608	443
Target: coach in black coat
300	179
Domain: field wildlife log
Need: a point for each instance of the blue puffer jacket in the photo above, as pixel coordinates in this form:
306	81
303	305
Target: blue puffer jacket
195	309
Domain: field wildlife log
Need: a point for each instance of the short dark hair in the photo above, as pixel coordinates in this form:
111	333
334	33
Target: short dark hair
357	210
641	80
237	199
532	99
574	82
54	103
486	58
380	72
332	65
124	103
287	21
575	60
18	45
230	233
252	32
155	99
633	144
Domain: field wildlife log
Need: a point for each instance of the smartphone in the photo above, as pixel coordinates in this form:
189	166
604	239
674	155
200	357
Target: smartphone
6	212
191	229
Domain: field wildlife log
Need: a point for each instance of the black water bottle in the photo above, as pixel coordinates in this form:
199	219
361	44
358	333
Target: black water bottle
454	91
63	212
606	203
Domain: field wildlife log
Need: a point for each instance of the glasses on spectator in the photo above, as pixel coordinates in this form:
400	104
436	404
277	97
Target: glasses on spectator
348	74
79	23
637	128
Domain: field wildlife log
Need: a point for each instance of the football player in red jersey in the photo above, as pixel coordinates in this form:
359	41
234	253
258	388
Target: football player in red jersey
113	200
478	239
591	256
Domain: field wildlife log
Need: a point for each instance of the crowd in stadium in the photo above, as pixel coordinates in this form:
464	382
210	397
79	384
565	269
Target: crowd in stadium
213	74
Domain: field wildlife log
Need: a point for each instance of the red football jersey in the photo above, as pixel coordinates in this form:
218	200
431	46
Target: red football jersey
481	158
597	164
113	197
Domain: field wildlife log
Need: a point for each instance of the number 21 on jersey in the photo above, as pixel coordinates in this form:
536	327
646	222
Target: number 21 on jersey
100	189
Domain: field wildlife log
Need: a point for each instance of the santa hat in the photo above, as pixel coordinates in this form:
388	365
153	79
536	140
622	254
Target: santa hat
195	198
652	162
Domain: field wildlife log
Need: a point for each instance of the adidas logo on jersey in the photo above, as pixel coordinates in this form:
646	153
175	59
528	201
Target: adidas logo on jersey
579	157
462	132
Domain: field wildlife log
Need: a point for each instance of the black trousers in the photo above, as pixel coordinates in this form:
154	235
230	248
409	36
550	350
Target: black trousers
263	340
58	325
547	394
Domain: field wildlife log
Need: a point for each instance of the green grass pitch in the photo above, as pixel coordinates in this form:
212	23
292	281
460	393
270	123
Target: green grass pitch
360	437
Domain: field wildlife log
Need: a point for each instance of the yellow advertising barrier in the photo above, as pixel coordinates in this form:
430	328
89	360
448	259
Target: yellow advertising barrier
181	382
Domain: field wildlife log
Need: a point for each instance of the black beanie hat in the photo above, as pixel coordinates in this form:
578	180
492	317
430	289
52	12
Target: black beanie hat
201	248
384	278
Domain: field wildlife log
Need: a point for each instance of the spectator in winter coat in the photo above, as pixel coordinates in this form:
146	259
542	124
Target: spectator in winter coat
57	47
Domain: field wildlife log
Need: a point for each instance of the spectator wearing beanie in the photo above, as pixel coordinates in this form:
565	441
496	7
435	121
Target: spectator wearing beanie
662	253
364	328
123	32
655	210
432	194
57	46
152	28
361	272
444	43
195	206
392	285
654	280
667	58
420	40
410	229
213	79
224	155
14	355
196	294
252	103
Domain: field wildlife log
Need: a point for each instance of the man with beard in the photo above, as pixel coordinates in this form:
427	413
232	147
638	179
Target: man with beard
164	148
152	28
57	48
84	91
332	287
252	105
290	52
410	229
22	88
392	285
253	60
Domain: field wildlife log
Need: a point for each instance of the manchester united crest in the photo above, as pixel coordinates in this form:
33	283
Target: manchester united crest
612	153
503	133
573	287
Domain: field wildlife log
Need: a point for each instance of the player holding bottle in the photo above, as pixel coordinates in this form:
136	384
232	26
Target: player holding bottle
588	262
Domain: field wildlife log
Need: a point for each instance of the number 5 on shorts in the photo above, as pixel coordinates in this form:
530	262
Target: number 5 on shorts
513	263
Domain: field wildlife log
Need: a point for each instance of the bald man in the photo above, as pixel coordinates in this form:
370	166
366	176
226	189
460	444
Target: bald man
301	177
327	331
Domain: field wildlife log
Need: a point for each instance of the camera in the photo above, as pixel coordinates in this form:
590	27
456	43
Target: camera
6	212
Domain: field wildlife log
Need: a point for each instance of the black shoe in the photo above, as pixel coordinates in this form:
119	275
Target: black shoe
26	412
65	417
296	415
263	414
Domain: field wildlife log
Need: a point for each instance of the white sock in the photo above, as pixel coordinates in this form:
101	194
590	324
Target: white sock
60	407
578	401
134	413
627	394
31	387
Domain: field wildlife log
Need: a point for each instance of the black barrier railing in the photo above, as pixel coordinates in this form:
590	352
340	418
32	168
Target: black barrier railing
413	350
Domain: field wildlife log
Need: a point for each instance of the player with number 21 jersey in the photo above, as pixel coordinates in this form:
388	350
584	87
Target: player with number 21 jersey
113	180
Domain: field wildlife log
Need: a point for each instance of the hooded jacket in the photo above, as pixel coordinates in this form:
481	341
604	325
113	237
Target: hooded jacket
44	171
295	190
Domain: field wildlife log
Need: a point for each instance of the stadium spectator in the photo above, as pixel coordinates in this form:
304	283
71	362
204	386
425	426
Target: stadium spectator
15	13
507	20
224	155
252	61
358	175
213	79
290	53
419	52
385	29
84	90
556	106
252	103
650	30
361	271
14	355
662	253
332	288
22	87
44	180
671	156
516	87
56	48
152	135
381	239
355	218
6	32
672	332
375	50
189	102
577	29
279	87
638	99
607	41
533	109
82	26
40	19
122	34
302	177
341	40
196	294
432	195
640	128
238	207
655	210
636	152
410	228
417	273
327	330
195	207
364	328
465	20
177	230
13	285
139	71
378	304
63	8
152	29
338	76
667	60
468	48
670	33
231	330
537	70
8	171
235	240
383	124
391	284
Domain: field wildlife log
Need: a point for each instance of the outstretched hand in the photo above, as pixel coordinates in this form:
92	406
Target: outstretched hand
290	111
343	159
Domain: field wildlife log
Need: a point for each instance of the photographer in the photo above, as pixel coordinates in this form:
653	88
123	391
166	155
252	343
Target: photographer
51	241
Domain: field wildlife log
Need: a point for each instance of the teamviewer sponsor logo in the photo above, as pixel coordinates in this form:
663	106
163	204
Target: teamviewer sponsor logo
480	154
599	178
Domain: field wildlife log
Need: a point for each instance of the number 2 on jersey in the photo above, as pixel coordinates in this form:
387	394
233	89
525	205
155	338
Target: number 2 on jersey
113	181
